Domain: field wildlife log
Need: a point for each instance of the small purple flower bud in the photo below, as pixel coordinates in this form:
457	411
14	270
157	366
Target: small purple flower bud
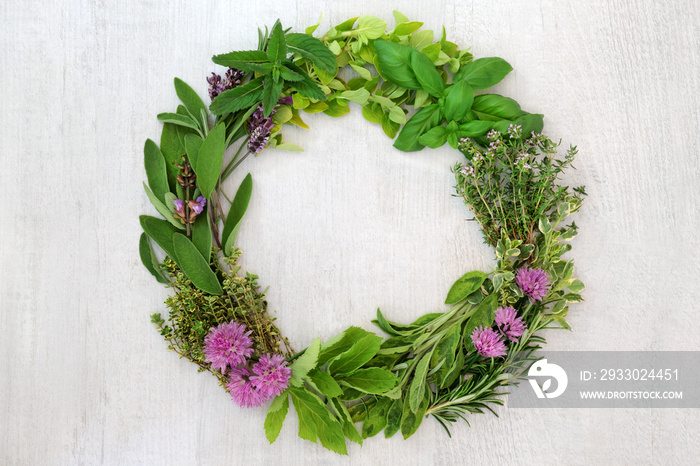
179	206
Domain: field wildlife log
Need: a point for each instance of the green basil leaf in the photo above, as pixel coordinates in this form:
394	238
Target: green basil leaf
238	58
421	122
404	29
239	97
494	107
156	172
475	128
162	209
458	101
277	46
148	258
358	354
201	234
372	380
340	343
372	112
394	61
304	363
271	94
336	109
389	126
426	74
193	103
159	231
195	266
275	416
464	286
313	49
484	72
529	123
210	160
421	39
434	138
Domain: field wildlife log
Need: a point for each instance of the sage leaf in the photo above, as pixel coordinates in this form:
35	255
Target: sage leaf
195	266
426	74
193	103
483	72
177	119
192	145
275	416
372	380
416	391
239	97
235	214
304	363
156	172
358	354
422	121
376	418
148	258
412	419
159	231
162	209
210	160
201	234
172	150
394	62
313	49
464	286
393	418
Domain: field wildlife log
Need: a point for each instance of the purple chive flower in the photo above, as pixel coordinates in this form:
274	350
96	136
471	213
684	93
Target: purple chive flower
271	375
198	205
509	323
533	282
216	85
488	343
179	207
227	345
241	388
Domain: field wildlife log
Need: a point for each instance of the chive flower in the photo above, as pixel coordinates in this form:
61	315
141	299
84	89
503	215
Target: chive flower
533	282
488	343
271	375
227	344
509	324
242	390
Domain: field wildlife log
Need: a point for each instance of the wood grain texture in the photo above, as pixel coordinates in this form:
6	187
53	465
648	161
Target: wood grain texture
345	227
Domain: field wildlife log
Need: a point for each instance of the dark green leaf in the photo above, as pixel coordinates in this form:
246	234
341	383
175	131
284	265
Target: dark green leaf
464	286
275	416
271	94
484	72
358	354
340	344
159	231
194	265
434	137
394	62
426	74
277	46
201	234
458	101
376	419
155	169
494	107
411	419
172	150
304	363
177	119
313	49
149	259
192	145
444	354
393	418
475	128
210	160
193	103
417	390
422	121
373	380
290	75
483	316
325	383
316	421
236	59
306	86
530	122
244	96
235	214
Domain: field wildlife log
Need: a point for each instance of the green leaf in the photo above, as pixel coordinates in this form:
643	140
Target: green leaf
336	109
275	416
464	286
193	103
404	29
288	147
426	74
572	298
239	97
393	418
376	418
362	71
422	121
458	101
576	286
373	380
358	354
148	258
529	123
434	137
444	353
290	75
544	226
316	421
304	363
210	160
162	209
179	120
494	107
421	39
155	169
349	428
325	383
240	58
370	27
417	389
159	231
483	316
475	128
394	62
310	30
277	46
316	107
412	419
313	49
340	343
307	86
484	72
397	115
172	150
195	266
271	94
400	17
192	145
201	234
372	112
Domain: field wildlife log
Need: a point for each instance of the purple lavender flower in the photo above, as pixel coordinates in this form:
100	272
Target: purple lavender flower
488	343
198	205
241	388
227	345
533	282
233	78
508	323
272	375
216	86
260	130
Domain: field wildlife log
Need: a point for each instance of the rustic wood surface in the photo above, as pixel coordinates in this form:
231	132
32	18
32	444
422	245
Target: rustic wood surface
347	226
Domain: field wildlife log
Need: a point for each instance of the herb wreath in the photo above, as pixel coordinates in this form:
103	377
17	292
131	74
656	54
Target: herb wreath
446	364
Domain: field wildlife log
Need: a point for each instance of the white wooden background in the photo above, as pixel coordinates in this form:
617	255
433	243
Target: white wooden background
347	226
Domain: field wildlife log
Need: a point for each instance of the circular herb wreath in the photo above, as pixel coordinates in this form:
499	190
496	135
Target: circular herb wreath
445	365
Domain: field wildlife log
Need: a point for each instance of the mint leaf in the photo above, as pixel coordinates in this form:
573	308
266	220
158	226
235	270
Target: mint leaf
275	416
315	421
325	383
340	343
313	49
372	380
305	363
358	354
